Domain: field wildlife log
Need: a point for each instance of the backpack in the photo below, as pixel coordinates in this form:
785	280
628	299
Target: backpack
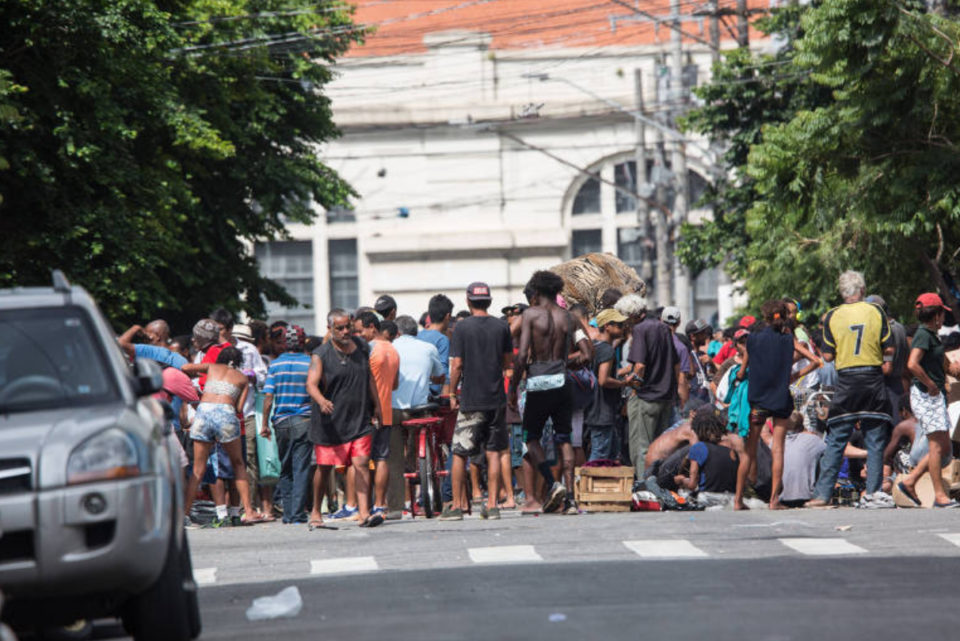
584	382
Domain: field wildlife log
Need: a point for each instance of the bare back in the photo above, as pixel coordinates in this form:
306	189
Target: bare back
226	374
549	333
669	442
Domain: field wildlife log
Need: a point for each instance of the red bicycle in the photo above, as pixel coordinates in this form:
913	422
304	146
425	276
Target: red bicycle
428	425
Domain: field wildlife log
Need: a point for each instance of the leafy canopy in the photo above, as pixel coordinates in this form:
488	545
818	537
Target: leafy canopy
842	151
145	144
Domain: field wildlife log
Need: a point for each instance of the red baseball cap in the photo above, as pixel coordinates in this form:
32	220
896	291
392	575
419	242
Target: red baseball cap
931	299
747	322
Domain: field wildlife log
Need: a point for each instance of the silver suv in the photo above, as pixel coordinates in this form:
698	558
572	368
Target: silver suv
91	511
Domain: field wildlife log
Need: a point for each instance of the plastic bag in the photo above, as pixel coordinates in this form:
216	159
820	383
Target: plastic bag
268	456
286	603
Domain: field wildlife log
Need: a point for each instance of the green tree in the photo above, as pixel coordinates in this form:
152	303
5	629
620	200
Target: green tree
857	171
150	142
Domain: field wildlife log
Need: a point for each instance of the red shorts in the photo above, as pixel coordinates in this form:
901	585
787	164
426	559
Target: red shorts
343	454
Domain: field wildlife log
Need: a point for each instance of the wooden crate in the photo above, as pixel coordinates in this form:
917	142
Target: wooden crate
603	489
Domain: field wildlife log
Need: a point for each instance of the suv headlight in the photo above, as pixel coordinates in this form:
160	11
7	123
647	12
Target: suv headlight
111	454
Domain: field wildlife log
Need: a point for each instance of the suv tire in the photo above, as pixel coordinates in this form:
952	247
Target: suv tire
163	612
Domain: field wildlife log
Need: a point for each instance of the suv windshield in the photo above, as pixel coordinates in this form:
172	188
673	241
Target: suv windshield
50	359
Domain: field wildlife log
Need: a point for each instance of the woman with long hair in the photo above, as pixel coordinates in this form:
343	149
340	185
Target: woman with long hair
768	361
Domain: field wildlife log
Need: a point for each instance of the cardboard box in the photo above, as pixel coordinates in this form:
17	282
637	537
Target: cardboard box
924	487
603	489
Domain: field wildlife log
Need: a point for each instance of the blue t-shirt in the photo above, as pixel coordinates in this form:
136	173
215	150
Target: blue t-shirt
287	382
442	343
160	354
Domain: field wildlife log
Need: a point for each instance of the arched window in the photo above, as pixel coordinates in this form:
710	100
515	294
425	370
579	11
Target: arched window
587	200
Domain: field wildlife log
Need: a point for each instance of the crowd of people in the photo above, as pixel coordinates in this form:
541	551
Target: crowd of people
838	410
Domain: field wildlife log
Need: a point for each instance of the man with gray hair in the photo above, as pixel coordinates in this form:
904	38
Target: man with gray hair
419	366
656	371
857	337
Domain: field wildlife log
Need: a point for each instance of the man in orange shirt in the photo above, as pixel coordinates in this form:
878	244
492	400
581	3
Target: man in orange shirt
384	365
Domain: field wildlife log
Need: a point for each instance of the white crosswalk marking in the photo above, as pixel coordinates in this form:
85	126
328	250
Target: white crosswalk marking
952	537
665	549
823	547
504	554
344	565
205	576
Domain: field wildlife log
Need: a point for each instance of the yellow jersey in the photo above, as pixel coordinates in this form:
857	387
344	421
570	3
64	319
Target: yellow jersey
856	334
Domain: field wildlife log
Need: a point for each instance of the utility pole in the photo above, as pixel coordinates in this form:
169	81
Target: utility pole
743	24
681	277
714	6
640	175
661	223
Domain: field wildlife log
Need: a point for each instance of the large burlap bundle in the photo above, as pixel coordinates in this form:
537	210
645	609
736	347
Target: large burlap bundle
587	277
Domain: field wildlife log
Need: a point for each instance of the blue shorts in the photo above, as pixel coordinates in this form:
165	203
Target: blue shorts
219	466
215	422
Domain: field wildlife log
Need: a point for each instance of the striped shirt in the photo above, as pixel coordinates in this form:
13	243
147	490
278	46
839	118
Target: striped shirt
287	382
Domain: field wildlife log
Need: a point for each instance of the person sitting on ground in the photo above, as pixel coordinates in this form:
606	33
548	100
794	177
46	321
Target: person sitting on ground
712	467
802	451
900	454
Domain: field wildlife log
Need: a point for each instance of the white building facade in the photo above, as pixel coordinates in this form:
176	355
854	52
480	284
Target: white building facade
477	163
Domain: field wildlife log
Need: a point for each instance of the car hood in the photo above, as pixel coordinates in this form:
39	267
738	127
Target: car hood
47	437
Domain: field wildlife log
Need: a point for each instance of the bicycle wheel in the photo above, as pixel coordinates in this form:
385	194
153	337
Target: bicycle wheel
427	494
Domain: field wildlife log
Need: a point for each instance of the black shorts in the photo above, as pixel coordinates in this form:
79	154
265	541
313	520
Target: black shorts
380	446
483	430
861	395
556	404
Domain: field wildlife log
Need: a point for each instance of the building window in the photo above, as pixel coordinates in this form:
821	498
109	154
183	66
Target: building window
290	264
586	241
344	277
341	215
625	177
636	250
587	200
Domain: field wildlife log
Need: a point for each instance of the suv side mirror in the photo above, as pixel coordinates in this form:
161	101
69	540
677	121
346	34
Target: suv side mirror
149	377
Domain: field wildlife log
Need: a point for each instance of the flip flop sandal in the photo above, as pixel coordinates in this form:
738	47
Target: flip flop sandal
910	495
948	504
372	521
316	525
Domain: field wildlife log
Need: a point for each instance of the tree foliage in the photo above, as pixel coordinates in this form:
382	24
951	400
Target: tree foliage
845	157
145	144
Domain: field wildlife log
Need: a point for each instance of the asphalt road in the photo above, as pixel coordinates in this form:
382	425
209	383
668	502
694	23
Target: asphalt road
803	574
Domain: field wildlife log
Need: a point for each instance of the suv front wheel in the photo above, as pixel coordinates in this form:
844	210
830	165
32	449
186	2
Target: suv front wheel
168	609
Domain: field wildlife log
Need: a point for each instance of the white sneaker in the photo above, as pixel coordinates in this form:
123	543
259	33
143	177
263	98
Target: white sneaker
879	500
557	495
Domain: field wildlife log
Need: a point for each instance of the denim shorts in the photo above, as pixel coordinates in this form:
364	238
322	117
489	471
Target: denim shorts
215	422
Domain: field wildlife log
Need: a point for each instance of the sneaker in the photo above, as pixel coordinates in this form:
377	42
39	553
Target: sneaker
189	524
379	509
218	523
902	462
879	500
450	514
571	507
346	512
558	494
492	513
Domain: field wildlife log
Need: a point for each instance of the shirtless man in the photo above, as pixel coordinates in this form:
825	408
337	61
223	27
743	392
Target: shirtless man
545	342
672	440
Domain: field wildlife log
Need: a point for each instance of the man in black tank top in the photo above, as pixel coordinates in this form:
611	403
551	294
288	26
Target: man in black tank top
345	404
545	342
